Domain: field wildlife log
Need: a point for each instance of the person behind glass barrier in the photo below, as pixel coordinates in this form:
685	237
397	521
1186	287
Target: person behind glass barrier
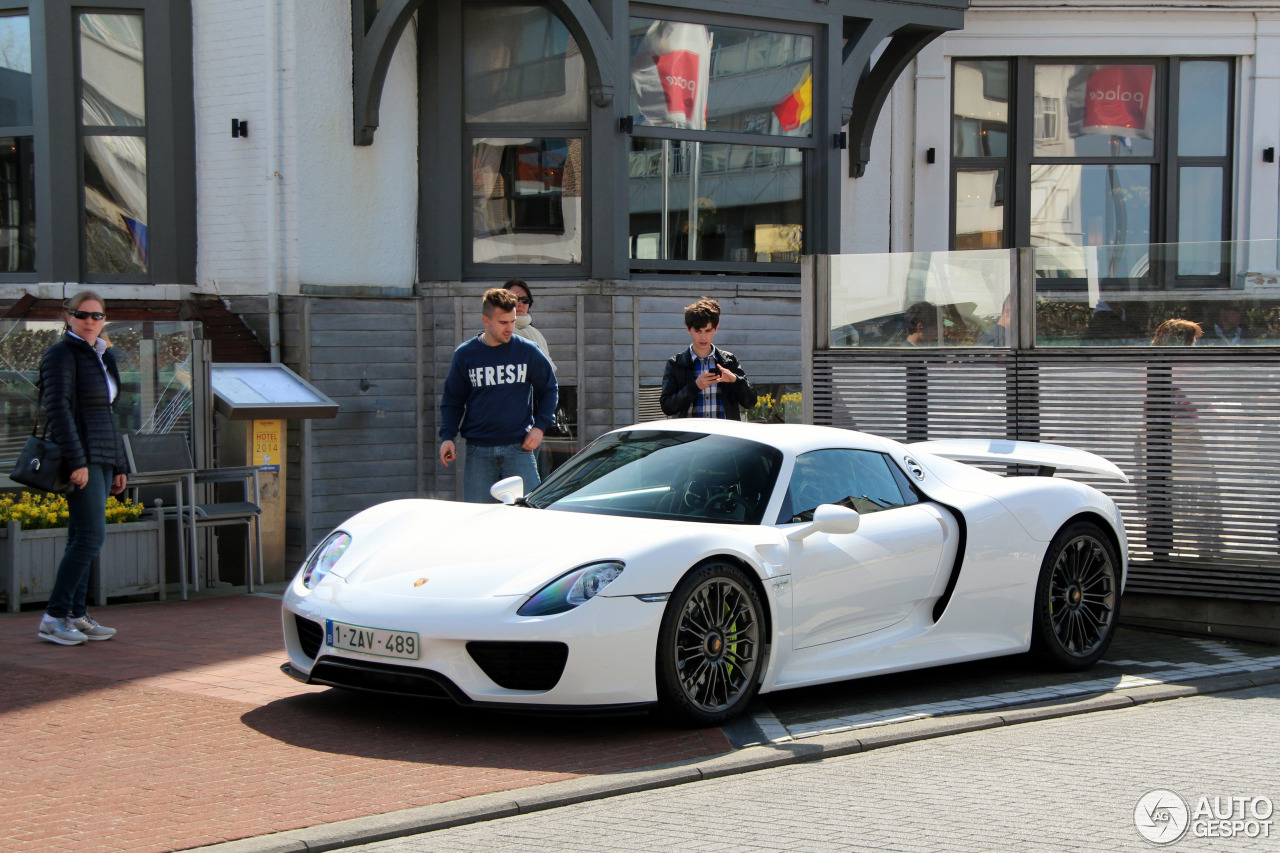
524	320
1228	328
702	380
997	335
79	384
494	382
921	321
1177	333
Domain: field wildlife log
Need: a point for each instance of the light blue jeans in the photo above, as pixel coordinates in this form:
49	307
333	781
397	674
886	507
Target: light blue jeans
487	465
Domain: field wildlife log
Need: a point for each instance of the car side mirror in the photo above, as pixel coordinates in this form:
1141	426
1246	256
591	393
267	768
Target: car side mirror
829	518
507	490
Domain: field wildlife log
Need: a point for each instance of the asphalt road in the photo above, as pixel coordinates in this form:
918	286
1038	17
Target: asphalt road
1073	783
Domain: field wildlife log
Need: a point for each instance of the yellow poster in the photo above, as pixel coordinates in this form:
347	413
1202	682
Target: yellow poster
267	443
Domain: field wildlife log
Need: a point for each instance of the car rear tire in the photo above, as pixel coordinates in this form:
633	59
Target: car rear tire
710	647
1077	602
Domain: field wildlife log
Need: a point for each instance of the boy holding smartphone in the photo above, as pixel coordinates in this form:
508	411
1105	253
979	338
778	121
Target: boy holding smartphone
704	381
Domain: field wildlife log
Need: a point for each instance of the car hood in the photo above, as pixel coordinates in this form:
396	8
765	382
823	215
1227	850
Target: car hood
448	550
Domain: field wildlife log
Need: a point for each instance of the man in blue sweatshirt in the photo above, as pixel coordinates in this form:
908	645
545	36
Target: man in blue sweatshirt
494	382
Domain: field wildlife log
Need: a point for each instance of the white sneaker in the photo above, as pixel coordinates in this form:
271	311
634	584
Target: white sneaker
60	631
89	626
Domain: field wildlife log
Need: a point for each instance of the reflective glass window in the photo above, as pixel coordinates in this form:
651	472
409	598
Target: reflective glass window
1200	220
979	204
705	77
1204	102
980	104
521	65
857	479
115	204
15	71
706	202
17	204
526	200
17	151
1095	110
1094	205
111	70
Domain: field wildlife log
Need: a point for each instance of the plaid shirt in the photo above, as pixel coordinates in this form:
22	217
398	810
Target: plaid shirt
707	404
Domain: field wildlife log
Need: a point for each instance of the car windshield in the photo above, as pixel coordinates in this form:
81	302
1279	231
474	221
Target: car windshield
686	476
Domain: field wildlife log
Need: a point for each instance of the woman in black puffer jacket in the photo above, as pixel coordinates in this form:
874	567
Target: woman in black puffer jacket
79	384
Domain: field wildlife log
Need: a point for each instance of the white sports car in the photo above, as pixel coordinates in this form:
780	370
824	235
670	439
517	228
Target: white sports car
694	563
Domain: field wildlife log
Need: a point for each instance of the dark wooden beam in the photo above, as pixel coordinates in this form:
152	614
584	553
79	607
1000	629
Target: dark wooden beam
873	90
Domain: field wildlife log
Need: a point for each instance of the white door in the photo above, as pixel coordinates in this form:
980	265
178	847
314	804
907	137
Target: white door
846	585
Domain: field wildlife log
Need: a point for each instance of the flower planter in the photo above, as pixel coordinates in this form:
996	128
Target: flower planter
131	562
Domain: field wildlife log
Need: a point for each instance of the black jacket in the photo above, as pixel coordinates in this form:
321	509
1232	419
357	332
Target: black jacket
77	405
679	390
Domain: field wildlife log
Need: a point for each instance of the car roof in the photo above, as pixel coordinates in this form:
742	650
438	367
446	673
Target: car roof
789	438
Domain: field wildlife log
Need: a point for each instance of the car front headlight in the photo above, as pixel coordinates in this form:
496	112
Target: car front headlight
324	558
571	589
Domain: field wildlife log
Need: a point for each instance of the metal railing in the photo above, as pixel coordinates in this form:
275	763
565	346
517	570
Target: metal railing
1196	428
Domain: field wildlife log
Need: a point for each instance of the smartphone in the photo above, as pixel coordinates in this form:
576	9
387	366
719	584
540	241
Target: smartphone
714	370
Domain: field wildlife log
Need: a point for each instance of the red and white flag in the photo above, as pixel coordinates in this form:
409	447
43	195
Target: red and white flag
669	72
1113	100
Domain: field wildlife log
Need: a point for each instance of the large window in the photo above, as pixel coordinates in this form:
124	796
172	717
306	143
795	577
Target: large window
723	123
525	102
97	150
17	157
1116	154
113	128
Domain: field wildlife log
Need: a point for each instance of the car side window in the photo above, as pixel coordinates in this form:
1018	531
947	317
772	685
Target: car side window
858	479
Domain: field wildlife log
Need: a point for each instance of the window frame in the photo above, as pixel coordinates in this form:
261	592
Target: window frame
170	128
1164	161
472	269
31	131
809	174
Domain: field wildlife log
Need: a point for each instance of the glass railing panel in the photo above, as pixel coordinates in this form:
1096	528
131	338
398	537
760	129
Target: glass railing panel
1144	294
921	299
155	363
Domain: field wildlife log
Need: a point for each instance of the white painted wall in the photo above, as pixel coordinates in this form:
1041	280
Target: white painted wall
231	180
343	215
357	206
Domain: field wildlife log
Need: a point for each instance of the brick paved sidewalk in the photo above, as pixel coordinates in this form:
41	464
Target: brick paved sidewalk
182	732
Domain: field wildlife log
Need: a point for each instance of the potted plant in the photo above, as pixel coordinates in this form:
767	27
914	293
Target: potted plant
33	537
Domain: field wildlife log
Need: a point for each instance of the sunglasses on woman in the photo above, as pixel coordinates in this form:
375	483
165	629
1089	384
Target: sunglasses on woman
524	300
87	315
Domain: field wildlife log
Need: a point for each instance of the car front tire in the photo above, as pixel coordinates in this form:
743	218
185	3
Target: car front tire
1077	601
710	647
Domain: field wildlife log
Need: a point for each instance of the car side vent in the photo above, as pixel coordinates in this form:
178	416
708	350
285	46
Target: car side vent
520	666
310	636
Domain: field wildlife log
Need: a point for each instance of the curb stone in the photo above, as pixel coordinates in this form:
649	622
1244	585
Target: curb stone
367	830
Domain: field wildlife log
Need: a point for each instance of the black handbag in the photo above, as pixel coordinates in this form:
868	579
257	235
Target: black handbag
40	464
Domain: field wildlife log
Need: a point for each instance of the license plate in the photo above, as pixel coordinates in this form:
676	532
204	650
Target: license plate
371	641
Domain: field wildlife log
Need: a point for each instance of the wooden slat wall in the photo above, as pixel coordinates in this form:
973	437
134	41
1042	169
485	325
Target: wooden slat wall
606	338
1196	431
356	459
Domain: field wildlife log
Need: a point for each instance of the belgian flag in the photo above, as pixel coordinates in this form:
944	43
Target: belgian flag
796	108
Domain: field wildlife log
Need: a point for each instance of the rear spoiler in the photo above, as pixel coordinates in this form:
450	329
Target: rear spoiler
1049	457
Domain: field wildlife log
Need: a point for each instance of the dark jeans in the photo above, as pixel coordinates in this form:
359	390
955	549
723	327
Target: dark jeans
86	531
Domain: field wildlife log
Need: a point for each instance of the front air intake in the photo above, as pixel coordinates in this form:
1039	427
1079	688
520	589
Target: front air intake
520	666
310	636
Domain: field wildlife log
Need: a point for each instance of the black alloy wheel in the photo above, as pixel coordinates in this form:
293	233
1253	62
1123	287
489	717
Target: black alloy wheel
1077	598
710	646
